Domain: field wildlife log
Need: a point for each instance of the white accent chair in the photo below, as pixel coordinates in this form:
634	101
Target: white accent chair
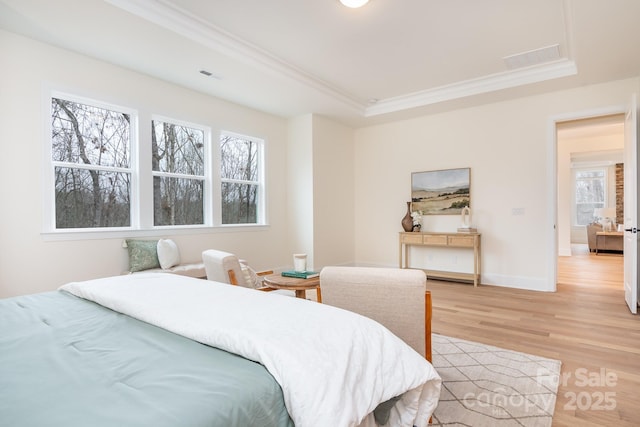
226	267
222	267
396	298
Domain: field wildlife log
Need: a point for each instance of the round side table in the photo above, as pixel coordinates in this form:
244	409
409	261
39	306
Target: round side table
300	286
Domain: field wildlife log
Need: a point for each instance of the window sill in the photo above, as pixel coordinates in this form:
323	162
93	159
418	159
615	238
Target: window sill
63	235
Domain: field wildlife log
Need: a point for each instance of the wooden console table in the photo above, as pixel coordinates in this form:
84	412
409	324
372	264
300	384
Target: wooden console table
450	240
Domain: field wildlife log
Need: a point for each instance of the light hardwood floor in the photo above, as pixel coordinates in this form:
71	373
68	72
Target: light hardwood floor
585	324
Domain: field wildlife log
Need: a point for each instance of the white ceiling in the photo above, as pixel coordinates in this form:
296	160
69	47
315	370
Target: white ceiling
390	59
604	126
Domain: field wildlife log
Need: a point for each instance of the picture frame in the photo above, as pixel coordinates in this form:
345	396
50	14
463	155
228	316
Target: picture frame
441	192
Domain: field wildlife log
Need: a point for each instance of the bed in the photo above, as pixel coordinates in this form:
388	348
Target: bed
165	350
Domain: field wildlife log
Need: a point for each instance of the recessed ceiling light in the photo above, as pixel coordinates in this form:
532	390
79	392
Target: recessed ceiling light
354	3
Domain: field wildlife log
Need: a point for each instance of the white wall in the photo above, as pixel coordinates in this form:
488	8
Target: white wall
28	262
300	187
509	147
320	190
333	193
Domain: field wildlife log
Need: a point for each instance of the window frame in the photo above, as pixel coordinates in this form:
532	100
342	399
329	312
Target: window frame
261	218
49	179
141	208
605	178
206	178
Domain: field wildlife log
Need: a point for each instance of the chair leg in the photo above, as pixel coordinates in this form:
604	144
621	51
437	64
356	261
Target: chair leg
427	326
232	278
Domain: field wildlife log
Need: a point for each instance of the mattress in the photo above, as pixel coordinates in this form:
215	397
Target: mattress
66	361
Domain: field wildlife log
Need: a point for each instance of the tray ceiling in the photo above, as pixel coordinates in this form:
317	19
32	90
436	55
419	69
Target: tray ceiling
386	60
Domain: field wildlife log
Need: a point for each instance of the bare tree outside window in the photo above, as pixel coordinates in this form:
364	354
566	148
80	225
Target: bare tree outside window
178	174
590	194
94	171
239	171
90	149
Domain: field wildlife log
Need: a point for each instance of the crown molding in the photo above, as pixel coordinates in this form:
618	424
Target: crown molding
168	16
491	83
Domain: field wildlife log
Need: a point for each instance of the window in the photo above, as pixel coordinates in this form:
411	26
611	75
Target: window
590	185
178	165
102	177
241	179
90	154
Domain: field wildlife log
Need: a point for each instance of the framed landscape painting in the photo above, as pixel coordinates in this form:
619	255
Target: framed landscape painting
443	192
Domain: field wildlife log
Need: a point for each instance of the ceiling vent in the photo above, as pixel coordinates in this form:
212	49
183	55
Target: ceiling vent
533	57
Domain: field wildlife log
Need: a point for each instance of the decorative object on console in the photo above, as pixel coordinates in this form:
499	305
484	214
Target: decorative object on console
465	218
416	216
407	221
465	221
442	192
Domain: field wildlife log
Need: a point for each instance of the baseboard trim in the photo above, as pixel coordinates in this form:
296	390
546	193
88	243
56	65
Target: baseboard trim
516	282
564	252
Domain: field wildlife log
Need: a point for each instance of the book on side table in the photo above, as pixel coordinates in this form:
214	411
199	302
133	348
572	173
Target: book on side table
300	274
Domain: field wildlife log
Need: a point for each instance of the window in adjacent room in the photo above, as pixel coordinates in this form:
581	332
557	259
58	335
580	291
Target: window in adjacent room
241	176
590	193
179	173
91	160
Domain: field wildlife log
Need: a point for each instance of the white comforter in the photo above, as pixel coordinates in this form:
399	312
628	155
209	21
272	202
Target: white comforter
334	366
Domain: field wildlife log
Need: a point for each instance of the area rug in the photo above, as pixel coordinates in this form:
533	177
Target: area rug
490	386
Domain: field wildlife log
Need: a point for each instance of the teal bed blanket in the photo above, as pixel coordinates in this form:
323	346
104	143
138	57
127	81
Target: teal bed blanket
65	361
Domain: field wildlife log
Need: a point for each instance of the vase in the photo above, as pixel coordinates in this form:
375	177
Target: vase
407	221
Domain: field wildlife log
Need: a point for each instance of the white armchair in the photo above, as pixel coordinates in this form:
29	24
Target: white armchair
226	267
223	267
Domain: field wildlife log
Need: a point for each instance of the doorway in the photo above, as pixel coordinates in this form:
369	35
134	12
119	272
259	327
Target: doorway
590	176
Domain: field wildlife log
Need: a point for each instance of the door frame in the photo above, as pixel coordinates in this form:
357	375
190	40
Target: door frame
631	239
552	181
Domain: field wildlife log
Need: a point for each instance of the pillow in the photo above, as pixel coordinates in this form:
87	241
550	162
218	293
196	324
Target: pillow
249	275
143	254
168	253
